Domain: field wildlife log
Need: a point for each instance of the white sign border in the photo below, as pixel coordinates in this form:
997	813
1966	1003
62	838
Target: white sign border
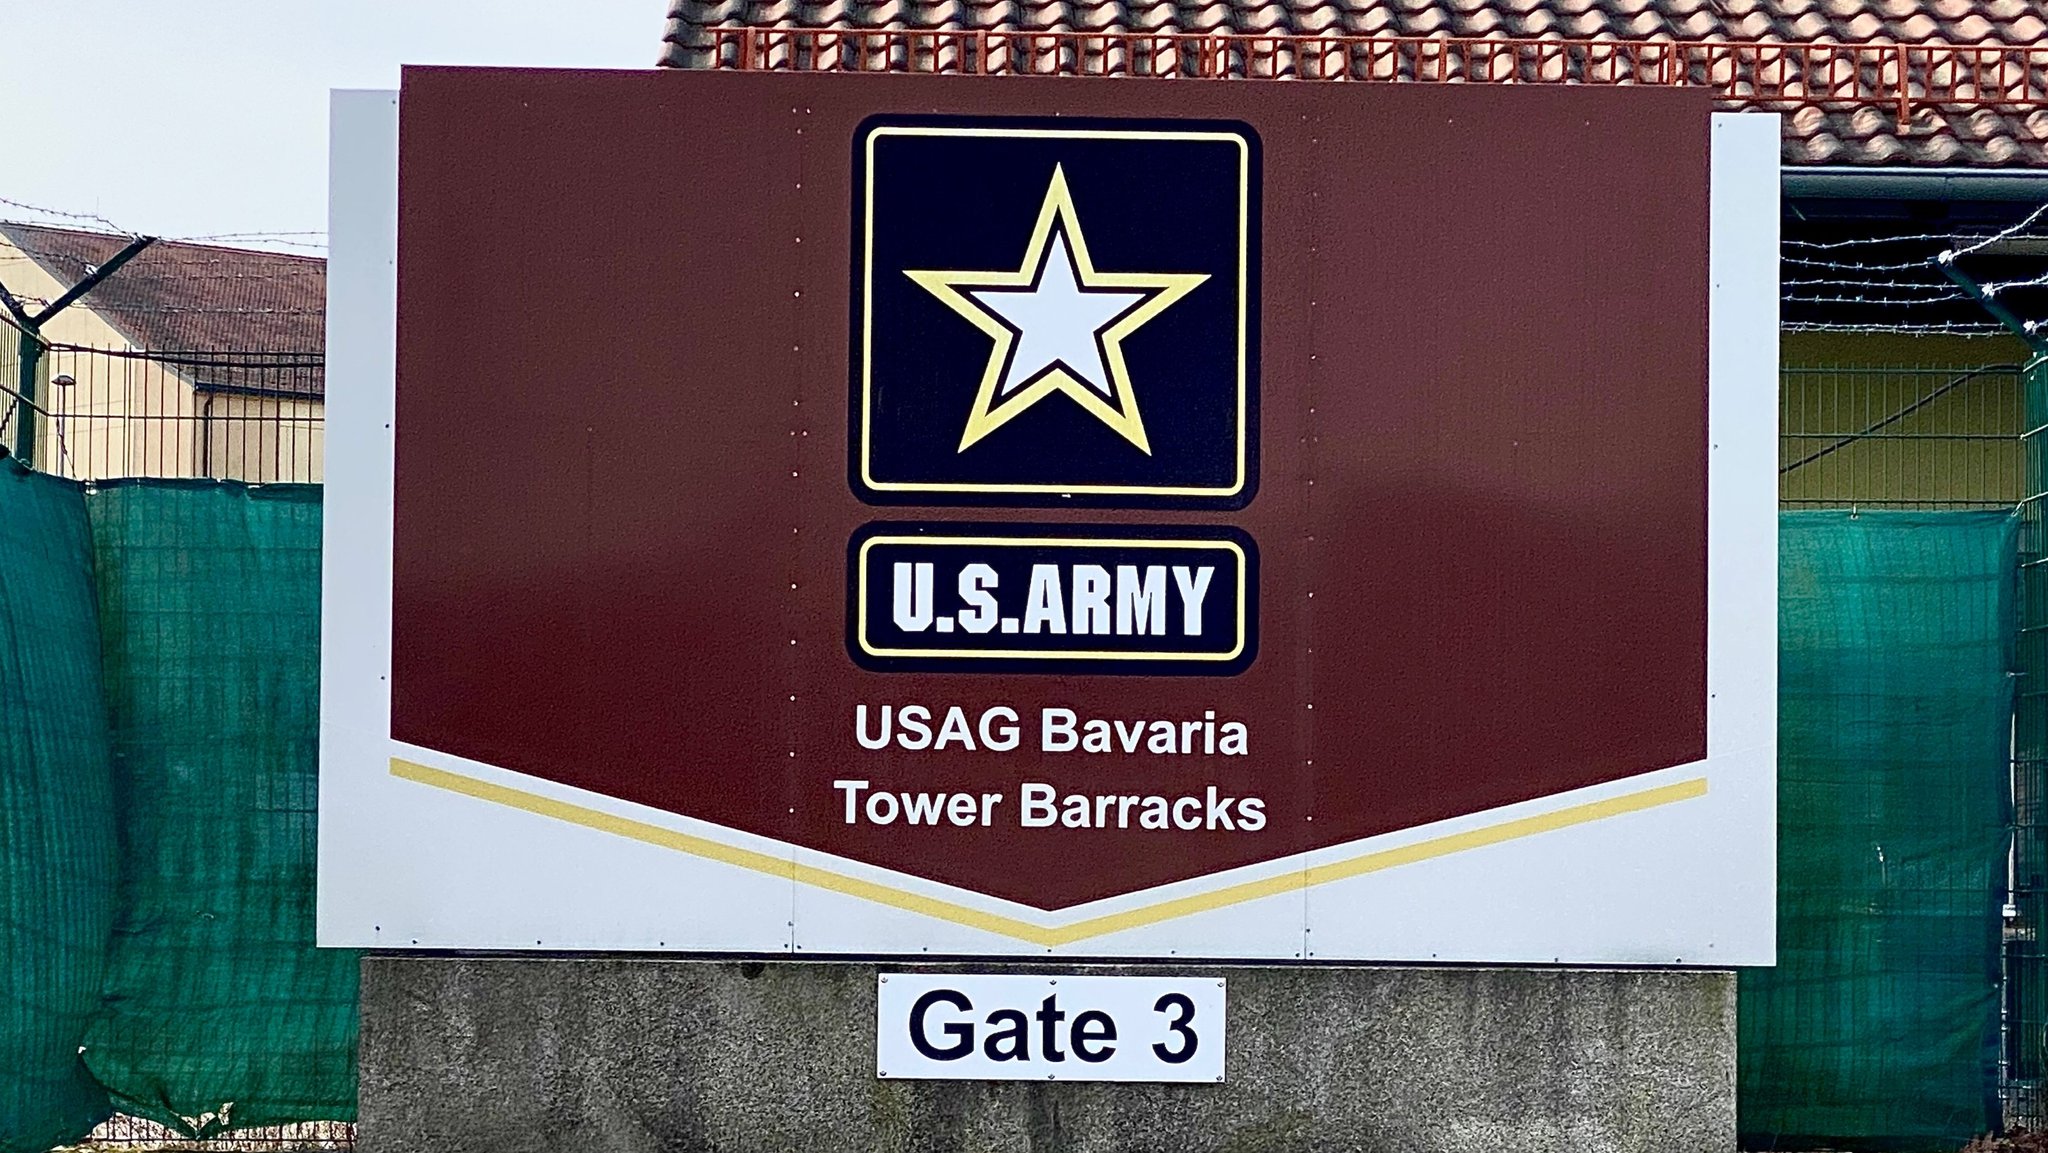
1675	867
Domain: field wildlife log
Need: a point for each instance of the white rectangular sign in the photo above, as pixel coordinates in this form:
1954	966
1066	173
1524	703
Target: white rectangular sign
748	699
983	1027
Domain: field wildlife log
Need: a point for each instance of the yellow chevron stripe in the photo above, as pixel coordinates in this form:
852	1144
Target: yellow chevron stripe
958	914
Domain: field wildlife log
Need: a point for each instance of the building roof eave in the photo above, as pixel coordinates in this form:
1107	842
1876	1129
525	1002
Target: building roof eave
1848	182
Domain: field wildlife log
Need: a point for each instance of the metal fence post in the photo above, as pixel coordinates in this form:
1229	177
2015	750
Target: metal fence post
2026	968
31	349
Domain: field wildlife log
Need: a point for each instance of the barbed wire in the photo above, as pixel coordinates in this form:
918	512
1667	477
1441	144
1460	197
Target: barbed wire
1915	238
289	240
2002	234
155	258
1856	266
1996	287
1950	328
249	235
1889	295
1943	286
1866	300
289	237
61	214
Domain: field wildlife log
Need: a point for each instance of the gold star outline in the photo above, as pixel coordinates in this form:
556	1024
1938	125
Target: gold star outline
990	414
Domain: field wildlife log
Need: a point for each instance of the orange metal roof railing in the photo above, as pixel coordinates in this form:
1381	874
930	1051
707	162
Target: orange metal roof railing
1745	74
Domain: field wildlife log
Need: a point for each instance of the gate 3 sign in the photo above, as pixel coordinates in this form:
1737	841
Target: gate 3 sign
1002	516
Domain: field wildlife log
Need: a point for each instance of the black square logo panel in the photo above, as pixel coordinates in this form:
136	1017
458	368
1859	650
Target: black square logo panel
1055	312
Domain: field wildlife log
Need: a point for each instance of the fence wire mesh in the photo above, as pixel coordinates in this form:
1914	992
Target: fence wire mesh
95	413
1924	437
1852	437
2026	962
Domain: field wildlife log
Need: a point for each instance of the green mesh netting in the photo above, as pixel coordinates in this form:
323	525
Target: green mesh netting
1879	1026
219	1012
56	817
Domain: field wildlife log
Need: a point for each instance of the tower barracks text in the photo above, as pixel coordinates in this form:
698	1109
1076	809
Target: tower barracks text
917	728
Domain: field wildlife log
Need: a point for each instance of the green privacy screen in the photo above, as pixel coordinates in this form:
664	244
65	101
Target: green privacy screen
1879	1027
218	1011
56	819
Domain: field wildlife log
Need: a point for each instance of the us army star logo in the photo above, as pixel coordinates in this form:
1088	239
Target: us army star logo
1058	324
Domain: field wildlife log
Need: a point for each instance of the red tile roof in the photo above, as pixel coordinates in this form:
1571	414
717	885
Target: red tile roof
1840	109
190	297
194	298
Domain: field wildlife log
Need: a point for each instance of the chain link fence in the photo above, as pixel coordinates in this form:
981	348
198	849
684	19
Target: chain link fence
1852	437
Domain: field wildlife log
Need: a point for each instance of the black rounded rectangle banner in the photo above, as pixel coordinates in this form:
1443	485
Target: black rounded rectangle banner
1052	599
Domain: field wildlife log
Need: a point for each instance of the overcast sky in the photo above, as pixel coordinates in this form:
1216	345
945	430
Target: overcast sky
199	117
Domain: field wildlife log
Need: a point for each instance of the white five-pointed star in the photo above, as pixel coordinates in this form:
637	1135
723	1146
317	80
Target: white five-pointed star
1056	324
1058	321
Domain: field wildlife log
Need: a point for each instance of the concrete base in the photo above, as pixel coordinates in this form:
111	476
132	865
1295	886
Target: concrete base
509	1055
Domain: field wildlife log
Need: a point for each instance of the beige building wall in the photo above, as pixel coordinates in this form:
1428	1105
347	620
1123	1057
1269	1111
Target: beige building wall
263	438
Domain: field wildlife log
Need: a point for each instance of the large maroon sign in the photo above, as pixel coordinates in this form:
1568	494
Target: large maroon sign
1051	488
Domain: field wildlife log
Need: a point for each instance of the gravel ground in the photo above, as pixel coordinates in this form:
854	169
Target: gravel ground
2017	1141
